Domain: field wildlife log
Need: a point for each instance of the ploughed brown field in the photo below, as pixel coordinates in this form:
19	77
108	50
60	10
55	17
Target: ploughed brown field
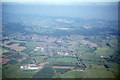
62	67
4	61
42	64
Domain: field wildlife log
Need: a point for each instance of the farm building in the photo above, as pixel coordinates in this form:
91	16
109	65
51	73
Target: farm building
29	67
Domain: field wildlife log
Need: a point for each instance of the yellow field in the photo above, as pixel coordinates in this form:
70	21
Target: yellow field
16	47
4	51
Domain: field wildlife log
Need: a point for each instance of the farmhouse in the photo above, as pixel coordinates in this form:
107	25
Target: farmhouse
29	67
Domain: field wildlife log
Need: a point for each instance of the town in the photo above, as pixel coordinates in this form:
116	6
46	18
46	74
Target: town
62	53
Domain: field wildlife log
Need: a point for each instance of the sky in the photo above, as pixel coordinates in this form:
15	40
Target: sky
59	0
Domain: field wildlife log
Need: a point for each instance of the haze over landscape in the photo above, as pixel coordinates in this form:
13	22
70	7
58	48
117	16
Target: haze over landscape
94	10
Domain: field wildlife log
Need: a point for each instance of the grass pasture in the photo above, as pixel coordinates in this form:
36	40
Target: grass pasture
64	59
92	73
106	51
30	47
61	70
46	72
72	74
13	71
40	59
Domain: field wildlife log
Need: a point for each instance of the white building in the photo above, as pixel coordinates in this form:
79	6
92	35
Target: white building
29	67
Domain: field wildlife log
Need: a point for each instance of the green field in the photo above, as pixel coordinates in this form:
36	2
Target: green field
72	74
105	51
61	70
37	53
46	72
13	71
84	49
95	73
62	59
40	59
30	47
